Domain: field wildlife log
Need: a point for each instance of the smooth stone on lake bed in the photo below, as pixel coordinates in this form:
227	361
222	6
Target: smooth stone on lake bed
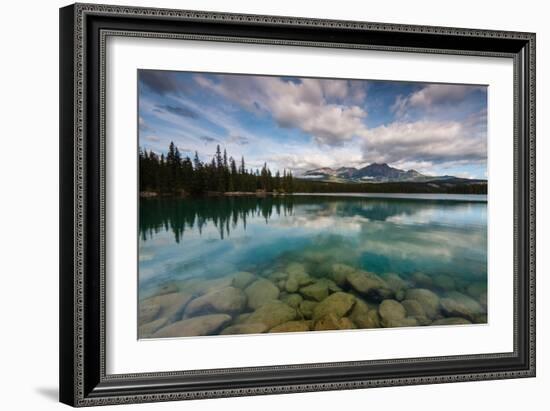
297	279
364	316
427	299
456	304
242	279
271	314
291	285
395	282
444	282
339	304
414	309
277	276
146	330
295	269
402	322
199	286
229	300
422	280
316	291
306	308
261	292
291	326
293	300
331	285
369	284
202	325
253	328
391	311
148	311
167	289
339	273
332	322
171	305
451	321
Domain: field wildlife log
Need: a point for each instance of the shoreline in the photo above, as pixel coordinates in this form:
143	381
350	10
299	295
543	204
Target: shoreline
407	196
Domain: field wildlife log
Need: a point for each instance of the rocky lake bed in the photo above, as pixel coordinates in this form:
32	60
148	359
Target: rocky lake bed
309	295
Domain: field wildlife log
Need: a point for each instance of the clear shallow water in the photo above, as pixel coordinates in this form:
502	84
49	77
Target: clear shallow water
208	238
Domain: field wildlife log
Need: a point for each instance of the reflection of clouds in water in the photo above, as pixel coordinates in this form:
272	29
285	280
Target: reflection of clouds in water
472	214
440	244
143	256
324	222
405	249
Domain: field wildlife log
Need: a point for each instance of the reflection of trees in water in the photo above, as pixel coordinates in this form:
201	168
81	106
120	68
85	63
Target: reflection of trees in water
178	215
226	213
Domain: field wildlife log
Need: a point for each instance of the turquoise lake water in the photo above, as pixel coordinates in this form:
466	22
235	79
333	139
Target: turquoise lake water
439	236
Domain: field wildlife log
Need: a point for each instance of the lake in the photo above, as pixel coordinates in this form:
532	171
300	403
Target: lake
210	265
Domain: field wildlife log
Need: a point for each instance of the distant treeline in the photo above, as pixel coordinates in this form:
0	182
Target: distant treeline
172	173
457	186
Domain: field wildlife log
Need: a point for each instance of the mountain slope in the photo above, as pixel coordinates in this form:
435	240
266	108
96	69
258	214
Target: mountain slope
373	173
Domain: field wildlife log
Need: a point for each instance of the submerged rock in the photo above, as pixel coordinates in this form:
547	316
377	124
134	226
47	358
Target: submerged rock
339	273
202	325
364	316
339	304
451	321
167	289
317	291
346	323
422	280
199	286
148	311
291	285
295	268
478	291
228	300
297	279
370	285
277	276
395	282
291	326
391	312
332	322
331	285
146	330
241	318
260	292
414	309
402	322
444	282
170	306
271	314
400	294
306	308
456	304
427	299
242	279
253	328
293	300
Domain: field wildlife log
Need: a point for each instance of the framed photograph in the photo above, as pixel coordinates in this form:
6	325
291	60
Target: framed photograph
261	204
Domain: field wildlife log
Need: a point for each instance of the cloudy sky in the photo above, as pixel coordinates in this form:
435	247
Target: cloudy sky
306	123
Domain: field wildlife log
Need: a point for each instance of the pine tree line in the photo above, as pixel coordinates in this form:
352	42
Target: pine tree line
172	173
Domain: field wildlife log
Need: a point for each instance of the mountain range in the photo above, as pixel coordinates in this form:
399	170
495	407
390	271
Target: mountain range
376	173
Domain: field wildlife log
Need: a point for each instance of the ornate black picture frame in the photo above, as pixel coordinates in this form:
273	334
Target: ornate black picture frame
83	31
